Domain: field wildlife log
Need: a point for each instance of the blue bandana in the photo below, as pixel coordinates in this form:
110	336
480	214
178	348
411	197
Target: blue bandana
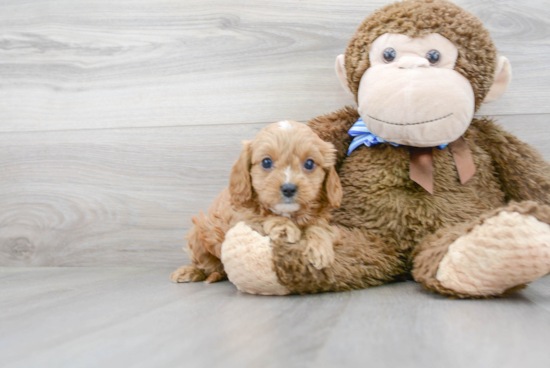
362	135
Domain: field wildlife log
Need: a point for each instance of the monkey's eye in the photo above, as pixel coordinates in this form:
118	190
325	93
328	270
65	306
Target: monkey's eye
433	56
309	165
267	163
389	55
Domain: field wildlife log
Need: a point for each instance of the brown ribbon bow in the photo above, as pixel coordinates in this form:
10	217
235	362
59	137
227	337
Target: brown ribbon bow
421	169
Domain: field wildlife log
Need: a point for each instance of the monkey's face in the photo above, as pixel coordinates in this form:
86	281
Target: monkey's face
411	94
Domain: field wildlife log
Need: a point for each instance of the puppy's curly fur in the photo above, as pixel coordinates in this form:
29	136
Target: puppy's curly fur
283	155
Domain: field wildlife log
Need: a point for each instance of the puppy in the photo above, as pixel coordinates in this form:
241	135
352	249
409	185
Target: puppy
283	185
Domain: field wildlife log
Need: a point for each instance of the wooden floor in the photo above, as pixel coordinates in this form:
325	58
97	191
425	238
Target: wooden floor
120	119
134	317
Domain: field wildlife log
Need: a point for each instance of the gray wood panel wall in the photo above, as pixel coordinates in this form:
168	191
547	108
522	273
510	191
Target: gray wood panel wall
121	119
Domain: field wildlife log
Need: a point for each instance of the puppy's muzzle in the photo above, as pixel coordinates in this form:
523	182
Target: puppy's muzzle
289	190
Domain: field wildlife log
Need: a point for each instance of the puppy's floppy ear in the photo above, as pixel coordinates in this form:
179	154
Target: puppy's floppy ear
333	188
240	185
332	185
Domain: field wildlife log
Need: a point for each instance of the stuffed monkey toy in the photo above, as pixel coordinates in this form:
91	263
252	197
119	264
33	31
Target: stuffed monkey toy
429	191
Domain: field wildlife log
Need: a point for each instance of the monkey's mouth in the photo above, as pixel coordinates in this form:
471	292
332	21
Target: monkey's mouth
405	124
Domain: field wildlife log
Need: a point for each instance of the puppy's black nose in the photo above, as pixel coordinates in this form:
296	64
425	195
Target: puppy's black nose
289	190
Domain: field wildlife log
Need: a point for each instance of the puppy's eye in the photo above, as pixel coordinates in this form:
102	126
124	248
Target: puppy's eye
267	163
433	56
389	55
309	165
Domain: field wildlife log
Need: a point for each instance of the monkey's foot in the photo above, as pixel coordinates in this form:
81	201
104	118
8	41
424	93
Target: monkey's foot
247	258
502	253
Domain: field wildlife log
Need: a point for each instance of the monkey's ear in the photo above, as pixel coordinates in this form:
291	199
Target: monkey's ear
503	76
240	185
340	67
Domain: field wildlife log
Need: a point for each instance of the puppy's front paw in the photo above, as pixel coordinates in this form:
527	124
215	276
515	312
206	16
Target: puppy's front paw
187	273
319	246
282	230
319	253
289	234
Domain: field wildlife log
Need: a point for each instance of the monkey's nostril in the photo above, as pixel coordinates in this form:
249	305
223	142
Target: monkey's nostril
289	190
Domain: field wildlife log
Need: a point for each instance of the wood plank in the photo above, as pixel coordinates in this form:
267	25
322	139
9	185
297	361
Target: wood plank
109	197
135	317
138	63
126	196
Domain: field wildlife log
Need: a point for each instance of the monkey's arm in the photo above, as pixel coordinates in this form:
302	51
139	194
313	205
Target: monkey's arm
334	128
523	172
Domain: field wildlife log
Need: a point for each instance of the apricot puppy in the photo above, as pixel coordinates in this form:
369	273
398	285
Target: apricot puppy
283	185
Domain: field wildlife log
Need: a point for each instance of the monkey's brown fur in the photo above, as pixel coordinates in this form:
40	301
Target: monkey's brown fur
385	216
390	225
